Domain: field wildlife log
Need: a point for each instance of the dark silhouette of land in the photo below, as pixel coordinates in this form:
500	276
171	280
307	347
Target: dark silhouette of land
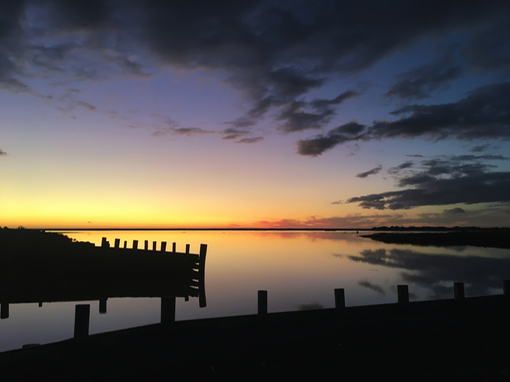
478	237
36	266
446	340
429	341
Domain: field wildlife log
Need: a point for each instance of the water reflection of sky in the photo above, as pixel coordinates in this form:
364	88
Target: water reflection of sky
299	270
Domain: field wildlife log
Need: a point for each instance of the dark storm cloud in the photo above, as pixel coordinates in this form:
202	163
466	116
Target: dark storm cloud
371	286
442	181
421	82
374	171
275	52
433	270
483	114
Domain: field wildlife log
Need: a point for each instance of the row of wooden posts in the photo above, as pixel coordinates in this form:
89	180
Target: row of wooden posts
82	311
106	244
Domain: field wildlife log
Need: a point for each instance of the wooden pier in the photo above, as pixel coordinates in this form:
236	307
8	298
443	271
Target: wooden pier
33	272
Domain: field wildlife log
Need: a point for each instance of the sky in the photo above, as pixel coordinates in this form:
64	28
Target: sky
256	114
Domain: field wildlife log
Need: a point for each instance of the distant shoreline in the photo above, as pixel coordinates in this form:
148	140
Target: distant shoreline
494	238
373	229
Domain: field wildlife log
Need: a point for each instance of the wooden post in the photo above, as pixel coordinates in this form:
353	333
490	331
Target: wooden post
125	243
458	291
167	310
40	304
201	276
102	305
173	247
262	302
153	245
81	320
117	243
104	243
187	248
506	289
135	244
339	299
163	246
403	295
146	245
4	311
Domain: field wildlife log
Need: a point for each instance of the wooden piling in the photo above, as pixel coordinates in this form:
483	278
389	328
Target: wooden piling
187	248
339	299
4	310
117	243
163	246
201	276
153	245
125	243
81	320
262	303
403	295
458	291
146	245
173	247
135	244
104	243
167	310
40	304
102	305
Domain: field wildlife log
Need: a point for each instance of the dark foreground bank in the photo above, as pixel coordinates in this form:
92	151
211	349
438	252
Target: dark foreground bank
429	341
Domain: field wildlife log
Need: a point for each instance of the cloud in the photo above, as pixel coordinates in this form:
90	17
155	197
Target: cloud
86	105
351	131
483	114
191	131
489	49
234	133
456	210
403	166
442	181
369	285
275	52
373	171
421	82
348	221
2	153
250	140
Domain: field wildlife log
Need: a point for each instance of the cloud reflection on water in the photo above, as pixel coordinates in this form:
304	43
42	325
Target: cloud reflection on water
437	272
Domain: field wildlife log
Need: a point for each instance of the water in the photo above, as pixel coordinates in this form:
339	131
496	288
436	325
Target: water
300	270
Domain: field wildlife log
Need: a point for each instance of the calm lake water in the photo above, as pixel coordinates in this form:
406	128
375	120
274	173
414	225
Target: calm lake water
300	270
